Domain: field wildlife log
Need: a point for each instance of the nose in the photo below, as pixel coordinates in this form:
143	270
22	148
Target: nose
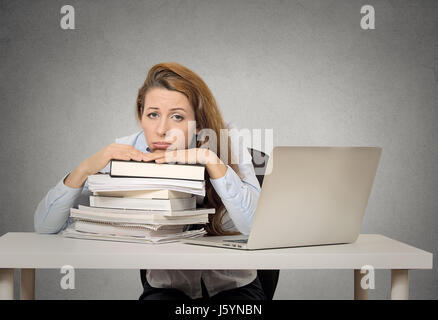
162	127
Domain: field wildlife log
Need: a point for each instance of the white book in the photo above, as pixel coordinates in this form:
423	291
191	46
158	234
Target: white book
71	233
103	182
155	213
136	218
123	230
131	168
145	194
143	204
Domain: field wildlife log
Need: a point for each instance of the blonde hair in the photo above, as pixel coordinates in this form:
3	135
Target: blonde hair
175	77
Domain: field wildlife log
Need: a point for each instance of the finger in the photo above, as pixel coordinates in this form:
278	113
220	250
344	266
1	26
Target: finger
179	156
137	156
127	155
121	156
207	156
134	153
169	157
152	156
192	156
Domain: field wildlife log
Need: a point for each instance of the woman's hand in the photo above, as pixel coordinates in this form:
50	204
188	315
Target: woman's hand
100	160
114	151
215	167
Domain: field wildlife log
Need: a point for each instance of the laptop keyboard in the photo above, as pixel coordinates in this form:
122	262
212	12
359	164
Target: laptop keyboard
237	240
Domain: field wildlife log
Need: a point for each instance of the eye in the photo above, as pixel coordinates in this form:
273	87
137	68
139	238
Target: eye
178	117
152	115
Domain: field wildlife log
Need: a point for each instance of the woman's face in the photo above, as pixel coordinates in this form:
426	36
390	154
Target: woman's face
165	119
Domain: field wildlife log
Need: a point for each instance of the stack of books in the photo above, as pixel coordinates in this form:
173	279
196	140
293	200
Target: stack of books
142	202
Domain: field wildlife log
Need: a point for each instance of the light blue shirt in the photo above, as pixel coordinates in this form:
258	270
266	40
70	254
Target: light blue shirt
238	194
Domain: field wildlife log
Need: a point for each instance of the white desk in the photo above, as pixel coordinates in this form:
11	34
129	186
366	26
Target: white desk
29	251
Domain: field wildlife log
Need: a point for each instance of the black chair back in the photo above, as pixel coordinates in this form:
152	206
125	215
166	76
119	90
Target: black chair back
268	278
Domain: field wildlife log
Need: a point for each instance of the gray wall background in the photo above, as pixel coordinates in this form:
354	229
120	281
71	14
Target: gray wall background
304	68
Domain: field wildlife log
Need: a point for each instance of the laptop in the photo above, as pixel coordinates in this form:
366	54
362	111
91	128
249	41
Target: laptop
310	196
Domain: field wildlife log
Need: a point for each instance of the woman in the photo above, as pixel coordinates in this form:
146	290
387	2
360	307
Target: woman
175	99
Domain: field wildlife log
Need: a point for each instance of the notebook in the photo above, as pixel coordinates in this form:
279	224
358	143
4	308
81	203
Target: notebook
104	183
136	218
140	169
145	194
143	204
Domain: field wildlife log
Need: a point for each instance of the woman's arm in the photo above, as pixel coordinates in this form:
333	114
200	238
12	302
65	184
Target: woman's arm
239	197
51	214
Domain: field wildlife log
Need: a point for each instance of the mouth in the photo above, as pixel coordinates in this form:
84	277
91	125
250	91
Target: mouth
161	145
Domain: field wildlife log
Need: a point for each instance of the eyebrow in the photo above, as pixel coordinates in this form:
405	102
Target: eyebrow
182	109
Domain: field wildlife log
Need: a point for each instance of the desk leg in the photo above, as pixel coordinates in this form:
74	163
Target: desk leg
399	284
27	286
359	293
6	284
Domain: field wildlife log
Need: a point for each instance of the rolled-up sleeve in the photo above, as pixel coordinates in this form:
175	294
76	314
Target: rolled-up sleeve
239	196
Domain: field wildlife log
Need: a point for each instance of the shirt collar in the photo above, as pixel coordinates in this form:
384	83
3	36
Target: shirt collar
141	144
